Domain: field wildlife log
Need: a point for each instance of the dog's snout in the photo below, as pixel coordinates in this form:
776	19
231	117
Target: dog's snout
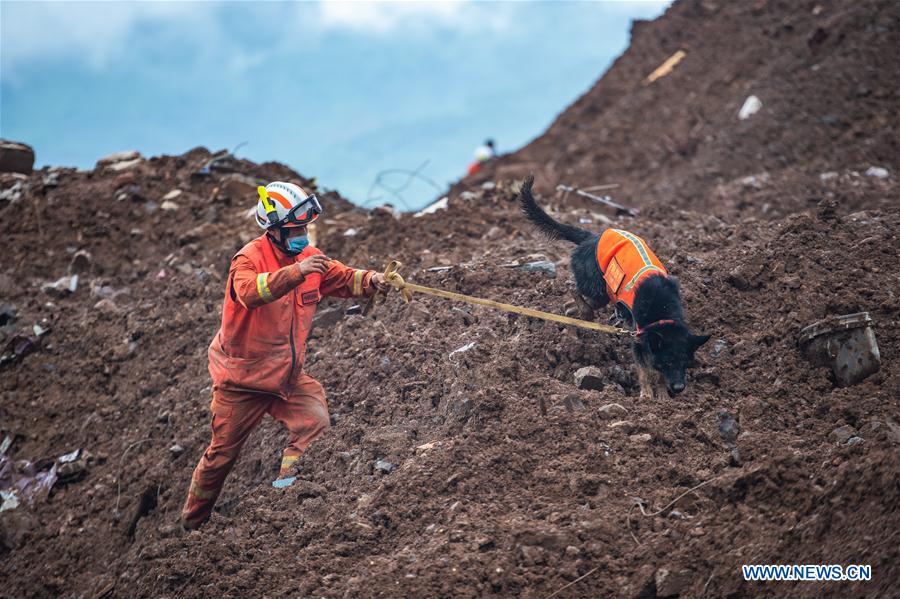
677	387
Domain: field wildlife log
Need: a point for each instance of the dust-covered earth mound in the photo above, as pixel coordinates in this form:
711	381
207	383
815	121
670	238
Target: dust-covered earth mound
463	459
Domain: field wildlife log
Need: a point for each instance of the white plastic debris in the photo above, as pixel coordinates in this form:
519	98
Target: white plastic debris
125	164
441	204
877	172
462	349
120	157
69	457
10	500
751	106
172	194
350	232
827	176
169	206
62	285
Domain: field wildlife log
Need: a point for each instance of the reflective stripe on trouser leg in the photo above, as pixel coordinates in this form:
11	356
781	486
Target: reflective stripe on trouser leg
235	415
305	414
286	463
199	504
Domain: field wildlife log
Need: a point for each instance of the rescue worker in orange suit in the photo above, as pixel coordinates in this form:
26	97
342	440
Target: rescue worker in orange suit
256	359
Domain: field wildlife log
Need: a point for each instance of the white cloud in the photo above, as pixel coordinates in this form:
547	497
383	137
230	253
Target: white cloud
639	9
99	33
96	32
385	16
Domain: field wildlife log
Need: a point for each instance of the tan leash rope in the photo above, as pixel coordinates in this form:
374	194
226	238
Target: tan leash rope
393	277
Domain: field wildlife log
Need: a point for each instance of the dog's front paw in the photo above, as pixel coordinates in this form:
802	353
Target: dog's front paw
578	308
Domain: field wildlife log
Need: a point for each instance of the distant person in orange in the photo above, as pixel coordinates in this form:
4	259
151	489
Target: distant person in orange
483	153
256	359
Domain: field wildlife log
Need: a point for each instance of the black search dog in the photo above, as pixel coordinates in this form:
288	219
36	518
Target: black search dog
663	343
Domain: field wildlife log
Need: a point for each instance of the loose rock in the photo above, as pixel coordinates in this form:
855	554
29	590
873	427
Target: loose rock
670	583
16	157
384	466
611	411
843	433
589	377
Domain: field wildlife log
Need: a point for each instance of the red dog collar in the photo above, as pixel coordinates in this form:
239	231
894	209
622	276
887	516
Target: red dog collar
654	325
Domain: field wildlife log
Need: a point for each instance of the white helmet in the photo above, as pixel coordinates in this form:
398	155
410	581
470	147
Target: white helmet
285	205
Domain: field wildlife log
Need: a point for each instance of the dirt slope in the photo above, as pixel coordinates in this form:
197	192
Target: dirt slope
509	480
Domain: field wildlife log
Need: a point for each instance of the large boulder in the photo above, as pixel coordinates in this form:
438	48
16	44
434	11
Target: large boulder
16	157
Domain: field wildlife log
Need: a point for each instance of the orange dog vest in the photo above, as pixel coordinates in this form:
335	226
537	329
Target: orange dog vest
625	261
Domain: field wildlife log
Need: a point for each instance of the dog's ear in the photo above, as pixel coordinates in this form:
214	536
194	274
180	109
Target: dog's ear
698	340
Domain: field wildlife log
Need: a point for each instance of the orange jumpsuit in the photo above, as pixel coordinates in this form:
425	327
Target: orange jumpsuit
256	361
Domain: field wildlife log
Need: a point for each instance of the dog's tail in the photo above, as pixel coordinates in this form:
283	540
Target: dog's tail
543	221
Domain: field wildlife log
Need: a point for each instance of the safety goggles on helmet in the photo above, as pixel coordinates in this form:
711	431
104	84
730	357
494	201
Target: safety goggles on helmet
303	213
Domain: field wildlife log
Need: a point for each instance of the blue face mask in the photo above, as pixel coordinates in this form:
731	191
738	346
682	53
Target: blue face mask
299	243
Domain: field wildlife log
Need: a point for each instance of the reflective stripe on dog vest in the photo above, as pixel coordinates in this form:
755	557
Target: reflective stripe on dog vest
625	260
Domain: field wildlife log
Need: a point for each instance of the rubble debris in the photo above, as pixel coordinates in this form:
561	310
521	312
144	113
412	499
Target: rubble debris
236	185
612	411
729	428
50	179
146	503
124	164
119	157
80	263
169	206
7	315
750	107
25	481
441	204
14	193
605	200
589	377
671	583
543	266
573	403
842	434
17	347
463	349
62	287
846	344
72	467
10	500
16	157
666	67
877	172
384	466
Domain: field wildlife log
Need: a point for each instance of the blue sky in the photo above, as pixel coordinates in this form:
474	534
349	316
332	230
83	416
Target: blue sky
339	91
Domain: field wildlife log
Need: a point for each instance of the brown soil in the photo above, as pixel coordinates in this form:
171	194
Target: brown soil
509	479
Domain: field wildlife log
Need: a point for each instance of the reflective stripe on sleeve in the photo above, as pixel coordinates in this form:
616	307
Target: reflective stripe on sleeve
357	282
262	286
